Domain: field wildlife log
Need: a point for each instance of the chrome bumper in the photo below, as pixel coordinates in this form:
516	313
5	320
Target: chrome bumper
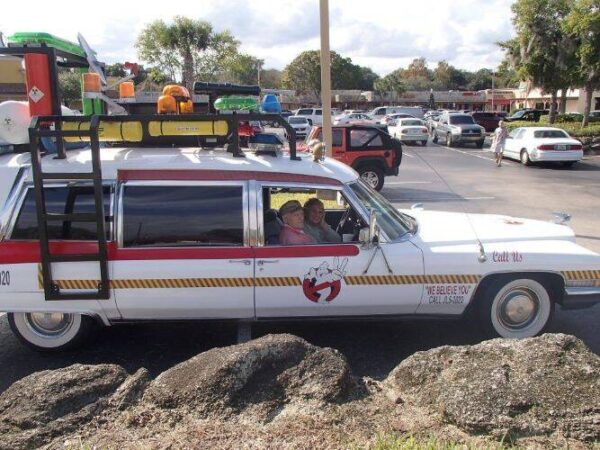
580	298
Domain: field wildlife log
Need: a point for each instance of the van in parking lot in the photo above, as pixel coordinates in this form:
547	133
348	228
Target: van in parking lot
382	111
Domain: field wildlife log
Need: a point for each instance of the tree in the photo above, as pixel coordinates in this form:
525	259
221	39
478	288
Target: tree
480	80
392	82
545	50
186	47
417	77
583	25
271	79
367	78
304	73
69	85
242	69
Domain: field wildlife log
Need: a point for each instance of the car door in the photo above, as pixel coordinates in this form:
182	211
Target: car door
183	250
339	279
514	143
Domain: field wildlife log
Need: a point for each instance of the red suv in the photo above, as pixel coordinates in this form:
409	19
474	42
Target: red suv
367	149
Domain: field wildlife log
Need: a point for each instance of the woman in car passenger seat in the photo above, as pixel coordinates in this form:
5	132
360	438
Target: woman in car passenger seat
315	225
292	233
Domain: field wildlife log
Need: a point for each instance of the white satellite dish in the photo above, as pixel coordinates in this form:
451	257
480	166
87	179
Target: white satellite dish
91	58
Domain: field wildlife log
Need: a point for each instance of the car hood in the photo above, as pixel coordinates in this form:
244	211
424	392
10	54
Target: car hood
447	228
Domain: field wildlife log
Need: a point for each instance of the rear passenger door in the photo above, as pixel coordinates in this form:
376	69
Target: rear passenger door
183	251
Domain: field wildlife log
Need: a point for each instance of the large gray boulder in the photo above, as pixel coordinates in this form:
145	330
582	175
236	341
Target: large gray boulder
507	388
54	402
261	378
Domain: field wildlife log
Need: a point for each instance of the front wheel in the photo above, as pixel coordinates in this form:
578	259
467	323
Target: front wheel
373	176
525	158
424	143
517	308
479	144
48	332
449	142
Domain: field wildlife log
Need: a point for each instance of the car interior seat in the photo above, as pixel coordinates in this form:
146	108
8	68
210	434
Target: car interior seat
273	225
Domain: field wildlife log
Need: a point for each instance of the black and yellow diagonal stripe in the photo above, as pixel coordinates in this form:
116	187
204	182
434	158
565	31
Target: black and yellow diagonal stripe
277	281
411	279
576	275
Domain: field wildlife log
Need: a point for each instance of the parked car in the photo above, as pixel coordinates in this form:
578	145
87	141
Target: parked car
391	117
488	120
595	113
381	111
300	124
535	144
457	128
529	115
345	119
409	130
367	149
314	115
181	234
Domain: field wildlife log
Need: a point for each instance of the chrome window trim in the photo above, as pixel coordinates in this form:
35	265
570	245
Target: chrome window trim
14	213
174	183
344	189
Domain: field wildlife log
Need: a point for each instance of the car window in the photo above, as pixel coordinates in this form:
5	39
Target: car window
409	122
297	120
172	216
318	112
337	136
305	112
461	120
521	133
365	138
514	133
62	200
550	134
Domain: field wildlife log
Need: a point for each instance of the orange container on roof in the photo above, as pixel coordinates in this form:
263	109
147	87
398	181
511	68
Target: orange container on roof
126	89
186	107
176	91
91	82
166	105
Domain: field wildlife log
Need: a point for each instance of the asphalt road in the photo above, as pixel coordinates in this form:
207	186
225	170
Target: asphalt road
457	179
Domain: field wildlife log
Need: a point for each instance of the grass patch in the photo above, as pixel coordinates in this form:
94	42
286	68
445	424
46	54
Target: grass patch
408	442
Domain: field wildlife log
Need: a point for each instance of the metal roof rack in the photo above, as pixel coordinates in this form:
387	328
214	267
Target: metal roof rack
155	130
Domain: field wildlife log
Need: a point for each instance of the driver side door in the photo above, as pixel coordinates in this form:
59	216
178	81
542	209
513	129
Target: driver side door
325	280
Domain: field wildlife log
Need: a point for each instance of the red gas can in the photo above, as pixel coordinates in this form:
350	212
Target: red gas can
39	89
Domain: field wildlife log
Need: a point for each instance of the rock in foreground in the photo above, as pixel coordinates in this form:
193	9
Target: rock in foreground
260	378
507	388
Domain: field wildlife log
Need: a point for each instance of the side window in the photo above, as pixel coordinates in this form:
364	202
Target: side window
337	137
318	112
328	218
520	134
183	216
62	200
305	112
364	138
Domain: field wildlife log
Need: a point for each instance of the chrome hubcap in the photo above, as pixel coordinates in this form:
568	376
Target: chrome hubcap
371	178
49	324
518	308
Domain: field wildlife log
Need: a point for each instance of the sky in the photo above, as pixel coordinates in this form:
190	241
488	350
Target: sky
383	35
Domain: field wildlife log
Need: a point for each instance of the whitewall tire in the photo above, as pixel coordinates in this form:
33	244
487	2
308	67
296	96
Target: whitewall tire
50	331
517	308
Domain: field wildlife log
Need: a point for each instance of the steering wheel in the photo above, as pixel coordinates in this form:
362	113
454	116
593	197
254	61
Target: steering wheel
343	220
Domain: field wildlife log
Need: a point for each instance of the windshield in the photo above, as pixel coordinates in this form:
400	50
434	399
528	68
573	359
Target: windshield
550	134
405	123
297	120
461	120
518	114
393	223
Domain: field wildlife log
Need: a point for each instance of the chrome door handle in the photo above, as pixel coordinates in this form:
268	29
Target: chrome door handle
261	262
245	262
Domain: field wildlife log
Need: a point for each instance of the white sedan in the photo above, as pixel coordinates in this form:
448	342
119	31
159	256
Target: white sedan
534	144
300	124
409	130
353	118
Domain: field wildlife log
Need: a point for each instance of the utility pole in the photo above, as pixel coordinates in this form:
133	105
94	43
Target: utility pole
326	77
492	91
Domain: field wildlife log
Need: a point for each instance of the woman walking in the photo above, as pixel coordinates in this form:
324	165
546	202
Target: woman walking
498	142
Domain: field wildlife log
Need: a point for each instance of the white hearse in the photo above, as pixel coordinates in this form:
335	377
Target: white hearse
170	233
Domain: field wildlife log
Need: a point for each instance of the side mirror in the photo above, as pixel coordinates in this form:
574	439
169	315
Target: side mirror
370	236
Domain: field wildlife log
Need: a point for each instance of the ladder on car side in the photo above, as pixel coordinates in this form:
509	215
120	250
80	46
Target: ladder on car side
40	127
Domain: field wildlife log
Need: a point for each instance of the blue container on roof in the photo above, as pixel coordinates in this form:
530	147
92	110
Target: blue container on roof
270	104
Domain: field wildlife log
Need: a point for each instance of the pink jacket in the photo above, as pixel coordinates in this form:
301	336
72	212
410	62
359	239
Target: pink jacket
292	236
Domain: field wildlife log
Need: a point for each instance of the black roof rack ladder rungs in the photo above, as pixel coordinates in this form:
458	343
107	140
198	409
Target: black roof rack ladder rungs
52	291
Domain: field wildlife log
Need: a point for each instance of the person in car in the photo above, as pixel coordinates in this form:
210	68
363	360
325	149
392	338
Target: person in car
292	232
315	225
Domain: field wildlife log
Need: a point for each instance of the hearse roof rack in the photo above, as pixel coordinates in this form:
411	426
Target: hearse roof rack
151	130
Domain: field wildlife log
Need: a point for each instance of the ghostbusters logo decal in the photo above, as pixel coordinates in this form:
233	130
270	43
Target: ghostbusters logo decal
323	284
